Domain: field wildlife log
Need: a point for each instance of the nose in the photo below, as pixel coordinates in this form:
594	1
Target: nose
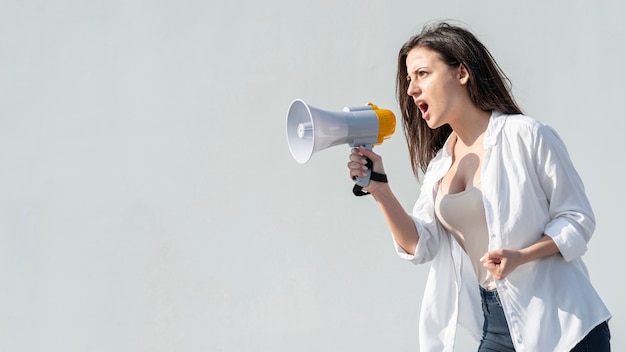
412	90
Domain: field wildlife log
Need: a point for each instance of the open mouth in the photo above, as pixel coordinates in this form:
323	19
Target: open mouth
423	108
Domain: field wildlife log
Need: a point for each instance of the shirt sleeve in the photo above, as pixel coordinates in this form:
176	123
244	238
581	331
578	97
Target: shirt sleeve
428	228
572	220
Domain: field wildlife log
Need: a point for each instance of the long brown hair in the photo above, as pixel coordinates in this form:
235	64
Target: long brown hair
488	86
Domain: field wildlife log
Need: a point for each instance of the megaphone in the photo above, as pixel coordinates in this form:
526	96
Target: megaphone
310	129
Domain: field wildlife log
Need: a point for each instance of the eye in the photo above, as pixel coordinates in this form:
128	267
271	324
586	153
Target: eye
422	74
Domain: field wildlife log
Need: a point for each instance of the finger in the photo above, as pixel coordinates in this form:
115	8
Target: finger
366	152
357	165
495	261
491	266
493	269
487	257
358	158
356	170
496	254
357	151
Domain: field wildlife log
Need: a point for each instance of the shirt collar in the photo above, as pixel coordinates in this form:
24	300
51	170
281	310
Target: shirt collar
496	122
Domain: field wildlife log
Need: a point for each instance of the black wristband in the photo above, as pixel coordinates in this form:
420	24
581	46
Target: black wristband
374	176
379	177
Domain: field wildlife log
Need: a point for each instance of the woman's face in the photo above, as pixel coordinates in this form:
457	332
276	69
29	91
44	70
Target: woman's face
438	90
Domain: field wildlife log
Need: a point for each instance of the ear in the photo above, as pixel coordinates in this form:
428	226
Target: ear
463	74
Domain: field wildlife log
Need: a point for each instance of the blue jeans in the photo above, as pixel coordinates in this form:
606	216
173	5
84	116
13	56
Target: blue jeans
497	338
496	335
597	340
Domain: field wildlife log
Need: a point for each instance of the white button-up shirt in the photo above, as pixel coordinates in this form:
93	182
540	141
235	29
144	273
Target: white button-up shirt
530	188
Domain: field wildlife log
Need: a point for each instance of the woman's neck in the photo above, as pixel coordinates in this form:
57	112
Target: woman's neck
471	126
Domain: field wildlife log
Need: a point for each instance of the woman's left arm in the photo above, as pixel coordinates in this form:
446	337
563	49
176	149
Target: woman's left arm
572	220
502	262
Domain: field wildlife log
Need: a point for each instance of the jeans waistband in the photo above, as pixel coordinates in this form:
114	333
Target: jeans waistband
489	296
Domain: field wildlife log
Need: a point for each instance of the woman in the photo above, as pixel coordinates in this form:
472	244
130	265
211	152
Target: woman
502	213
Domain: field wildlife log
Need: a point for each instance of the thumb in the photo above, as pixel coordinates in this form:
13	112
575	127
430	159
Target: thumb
490	260
489	256
369	154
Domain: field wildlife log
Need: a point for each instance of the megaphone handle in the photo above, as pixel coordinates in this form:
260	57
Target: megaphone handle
361	182
365	180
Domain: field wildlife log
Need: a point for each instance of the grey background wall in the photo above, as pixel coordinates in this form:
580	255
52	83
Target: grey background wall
148	200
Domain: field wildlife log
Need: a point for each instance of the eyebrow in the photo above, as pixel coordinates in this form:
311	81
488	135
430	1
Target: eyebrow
416	70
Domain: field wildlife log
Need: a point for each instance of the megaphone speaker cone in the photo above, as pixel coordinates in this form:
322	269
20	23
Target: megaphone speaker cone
300	131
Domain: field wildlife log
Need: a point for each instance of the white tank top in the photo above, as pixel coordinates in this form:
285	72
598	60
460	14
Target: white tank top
463	214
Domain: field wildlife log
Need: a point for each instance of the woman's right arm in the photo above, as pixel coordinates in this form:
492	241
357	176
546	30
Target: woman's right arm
401	224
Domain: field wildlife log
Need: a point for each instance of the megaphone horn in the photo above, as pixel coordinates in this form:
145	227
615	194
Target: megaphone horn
310	129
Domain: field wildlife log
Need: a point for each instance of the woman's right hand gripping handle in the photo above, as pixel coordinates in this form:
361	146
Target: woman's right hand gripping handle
358	167
398	220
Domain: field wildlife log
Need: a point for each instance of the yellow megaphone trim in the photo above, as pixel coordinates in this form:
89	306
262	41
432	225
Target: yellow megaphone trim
386	122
